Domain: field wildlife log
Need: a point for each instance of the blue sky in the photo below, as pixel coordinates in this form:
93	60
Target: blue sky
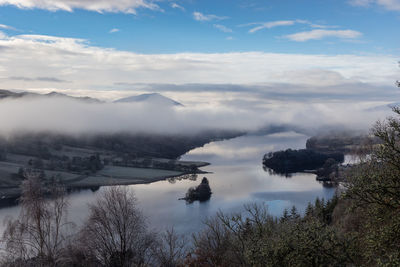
171	27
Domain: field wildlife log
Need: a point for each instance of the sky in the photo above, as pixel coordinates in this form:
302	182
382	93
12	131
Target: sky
222	26
145	26
239	55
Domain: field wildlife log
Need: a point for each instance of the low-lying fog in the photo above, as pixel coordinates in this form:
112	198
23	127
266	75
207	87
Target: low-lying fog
235	112
236	90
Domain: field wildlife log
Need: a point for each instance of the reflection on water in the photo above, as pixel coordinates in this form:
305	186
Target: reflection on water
191	177
236	178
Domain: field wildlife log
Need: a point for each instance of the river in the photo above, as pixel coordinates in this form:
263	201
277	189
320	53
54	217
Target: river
236	178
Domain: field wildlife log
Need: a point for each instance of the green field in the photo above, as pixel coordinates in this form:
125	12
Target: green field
109	175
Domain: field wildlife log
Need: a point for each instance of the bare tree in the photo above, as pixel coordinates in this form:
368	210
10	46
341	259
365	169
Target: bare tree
38	236
225	238
170	250
116	232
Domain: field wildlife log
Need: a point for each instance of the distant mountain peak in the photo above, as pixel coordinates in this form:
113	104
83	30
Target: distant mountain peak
10	94
150	97
80	98
54	93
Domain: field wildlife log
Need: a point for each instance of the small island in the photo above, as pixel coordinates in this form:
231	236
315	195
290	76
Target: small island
201	193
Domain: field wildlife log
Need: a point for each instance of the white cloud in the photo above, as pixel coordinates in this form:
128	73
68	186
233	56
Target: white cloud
222	28
114	30
124	6
175	5
320	26
387	4
6	27
2	35
271	24
361	2
206	17
219	90
320	34
94	68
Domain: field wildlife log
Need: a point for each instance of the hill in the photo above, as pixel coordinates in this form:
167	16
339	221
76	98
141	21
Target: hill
153	98
6	94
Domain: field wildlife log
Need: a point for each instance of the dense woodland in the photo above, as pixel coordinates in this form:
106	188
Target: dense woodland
344	142
290	161
133	145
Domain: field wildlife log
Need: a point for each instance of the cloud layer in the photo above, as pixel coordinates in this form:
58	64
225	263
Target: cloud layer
227	90
89	67
124	6
70	116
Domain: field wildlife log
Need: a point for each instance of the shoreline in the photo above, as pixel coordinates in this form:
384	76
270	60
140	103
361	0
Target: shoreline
9	195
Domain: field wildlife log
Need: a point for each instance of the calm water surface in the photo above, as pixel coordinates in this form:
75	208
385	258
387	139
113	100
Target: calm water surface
236	178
